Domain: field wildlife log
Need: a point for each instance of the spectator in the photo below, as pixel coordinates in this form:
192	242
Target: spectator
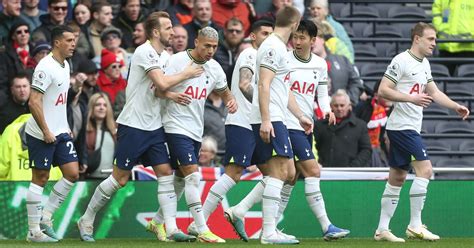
208	152
319	9
202	14
81	14
181	12
15	56
101	18
31	13
111	40
17	103
14	159
9	15
87	75
110	78
332	43
345	144
224	10
100	137
57	10
215	113
78	57
342	73
41	49
275	6
226	53
180	39
128	17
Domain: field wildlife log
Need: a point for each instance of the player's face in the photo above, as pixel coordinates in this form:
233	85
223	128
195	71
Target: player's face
66	44
100	109
20	90
427	42
340	106
22	35
262	34
302	42
166	32
206	47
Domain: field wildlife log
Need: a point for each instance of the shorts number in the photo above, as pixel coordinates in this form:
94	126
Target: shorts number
71	148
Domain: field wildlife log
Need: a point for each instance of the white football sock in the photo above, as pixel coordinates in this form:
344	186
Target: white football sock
101	196
56	198
285	198
270	202
216	194
33	207
168	202
417	200
178	183
389	203
252	198
193	200
316	202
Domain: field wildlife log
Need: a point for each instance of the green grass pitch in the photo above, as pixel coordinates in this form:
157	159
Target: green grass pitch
349	242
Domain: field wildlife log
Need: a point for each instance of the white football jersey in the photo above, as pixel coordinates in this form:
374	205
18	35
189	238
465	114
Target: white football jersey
306	77
411	75
272	54
189	120
142	108
52	79
246	59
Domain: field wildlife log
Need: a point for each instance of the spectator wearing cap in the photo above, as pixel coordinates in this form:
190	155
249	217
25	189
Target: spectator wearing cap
110	78
202	14
9	15
57	10
126	20
40	51
15	56
111	40
31	13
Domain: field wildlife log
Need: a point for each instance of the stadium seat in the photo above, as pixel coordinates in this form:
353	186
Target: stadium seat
349	31
458	90
439	70
437	145
335	9
454	127
435	109
365	50
391	50
427	126
382	31
383	8
455	162
405	28
406	12
359	11
465	70
466	145
373	70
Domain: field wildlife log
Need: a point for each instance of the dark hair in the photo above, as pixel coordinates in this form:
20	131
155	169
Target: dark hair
97	7
51	2
233	21
308	27
153	22
20	75
286	16
260	23
419	28
58	32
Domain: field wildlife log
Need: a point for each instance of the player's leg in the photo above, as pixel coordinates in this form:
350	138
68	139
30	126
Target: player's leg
286	190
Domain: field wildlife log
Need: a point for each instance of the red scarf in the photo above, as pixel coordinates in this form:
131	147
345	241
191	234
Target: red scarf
23	54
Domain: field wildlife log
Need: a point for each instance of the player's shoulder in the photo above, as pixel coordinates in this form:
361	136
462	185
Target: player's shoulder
316	59
45	63
248	53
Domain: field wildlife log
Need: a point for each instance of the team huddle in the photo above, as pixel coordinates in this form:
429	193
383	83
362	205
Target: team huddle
269	124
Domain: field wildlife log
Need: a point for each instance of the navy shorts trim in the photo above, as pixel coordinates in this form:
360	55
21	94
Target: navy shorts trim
301	145
240	145
136	145
183	150
405	146
278	146
42	155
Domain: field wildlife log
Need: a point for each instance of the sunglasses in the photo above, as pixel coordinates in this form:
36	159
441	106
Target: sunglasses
57	8
111	36
234	31
115	66
24	31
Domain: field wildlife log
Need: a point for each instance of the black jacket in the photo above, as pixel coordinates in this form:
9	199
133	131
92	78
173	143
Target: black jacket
226	58
10	111
10	65
127	27
344	75
346	144
43	32
214	124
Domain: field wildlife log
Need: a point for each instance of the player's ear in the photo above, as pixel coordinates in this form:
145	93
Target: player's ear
196	42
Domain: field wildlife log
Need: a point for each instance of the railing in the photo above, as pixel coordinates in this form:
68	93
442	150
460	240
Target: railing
431	59
386	169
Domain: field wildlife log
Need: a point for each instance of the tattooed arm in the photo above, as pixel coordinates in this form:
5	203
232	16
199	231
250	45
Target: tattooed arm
245	83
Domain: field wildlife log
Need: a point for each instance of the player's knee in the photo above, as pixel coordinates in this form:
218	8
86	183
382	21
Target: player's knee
122	181
72	177
193	178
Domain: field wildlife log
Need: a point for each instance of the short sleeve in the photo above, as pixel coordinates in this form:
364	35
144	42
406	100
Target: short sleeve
148	60
429	77
270	59
221	80
324	75
248	62
171	68
41	80
394	71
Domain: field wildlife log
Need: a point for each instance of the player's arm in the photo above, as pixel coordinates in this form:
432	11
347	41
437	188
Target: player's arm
164	82
305	121
228	98
323	101
245	83
179	98
35	103
388	91
443	100
264	81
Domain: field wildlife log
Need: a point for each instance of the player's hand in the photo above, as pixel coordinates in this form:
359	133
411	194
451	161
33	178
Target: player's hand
422	99
462	111
49	137
232	106
331	117
266	129
179	98
306	123
192	71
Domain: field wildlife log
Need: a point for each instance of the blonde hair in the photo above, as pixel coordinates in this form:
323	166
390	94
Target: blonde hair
209	143
324	28
109	116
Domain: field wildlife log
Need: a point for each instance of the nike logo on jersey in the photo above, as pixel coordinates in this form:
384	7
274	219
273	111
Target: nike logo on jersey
414	73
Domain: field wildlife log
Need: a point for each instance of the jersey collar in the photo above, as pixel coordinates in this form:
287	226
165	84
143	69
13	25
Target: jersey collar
193	59
414	56
301	59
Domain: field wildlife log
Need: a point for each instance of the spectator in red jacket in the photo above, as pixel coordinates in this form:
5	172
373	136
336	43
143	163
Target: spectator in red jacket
110	79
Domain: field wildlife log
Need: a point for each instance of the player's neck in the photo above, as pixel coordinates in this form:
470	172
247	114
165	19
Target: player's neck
57	56
282	33
304	55
195	57
416	53
156	44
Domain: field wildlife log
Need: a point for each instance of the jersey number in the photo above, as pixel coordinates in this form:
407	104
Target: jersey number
70	145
